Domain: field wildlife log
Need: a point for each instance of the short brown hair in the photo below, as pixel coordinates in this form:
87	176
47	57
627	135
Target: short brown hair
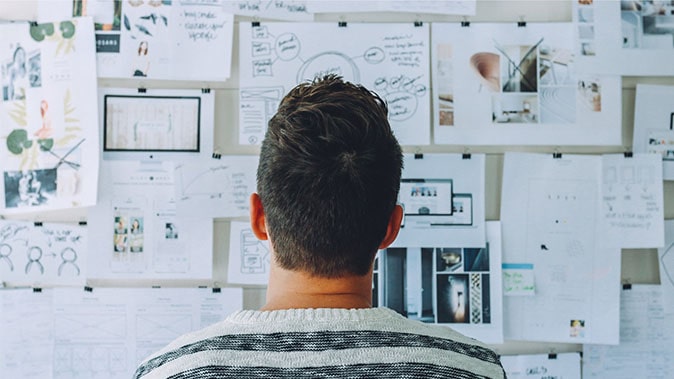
328	177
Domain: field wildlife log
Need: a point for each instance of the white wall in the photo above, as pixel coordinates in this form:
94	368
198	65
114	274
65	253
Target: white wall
638	266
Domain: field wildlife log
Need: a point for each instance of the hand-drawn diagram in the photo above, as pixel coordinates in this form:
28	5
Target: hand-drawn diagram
391	60
41	253
216	187
503	84
254	254
248	257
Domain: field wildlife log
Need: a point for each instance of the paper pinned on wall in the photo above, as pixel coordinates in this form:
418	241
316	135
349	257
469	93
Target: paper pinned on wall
666	267
645	347
136	232
500	84
248	256
632	201
26	336
215	187
654	124
446	284
550	216
109	331
564	365
458	7
155	39
390	59
637	34
518	279
443	200
42	254
48	116
293	10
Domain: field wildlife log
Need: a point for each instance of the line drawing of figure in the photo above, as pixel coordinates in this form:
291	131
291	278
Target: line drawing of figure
46	130
34	256
68	257
142	60
5	252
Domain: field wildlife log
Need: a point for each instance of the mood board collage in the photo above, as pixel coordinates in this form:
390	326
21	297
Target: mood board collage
90	120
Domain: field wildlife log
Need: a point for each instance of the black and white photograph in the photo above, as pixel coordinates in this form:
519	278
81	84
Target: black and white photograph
647	24
15	76
452	295
29	188
35	69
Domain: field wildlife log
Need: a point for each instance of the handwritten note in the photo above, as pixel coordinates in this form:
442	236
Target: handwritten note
289	10
203	25
542	366
632	201
518	279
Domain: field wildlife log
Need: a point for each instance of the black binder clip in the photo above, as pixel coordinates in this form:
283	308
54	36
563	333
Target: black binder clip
217	155
418	23
255	24
628	154
521	24
37	223
83	223
465	23
32	23
552	356
142	90
627	286
216	290
37	290
342	24
418	156
88	289
556	155
465	155
205	90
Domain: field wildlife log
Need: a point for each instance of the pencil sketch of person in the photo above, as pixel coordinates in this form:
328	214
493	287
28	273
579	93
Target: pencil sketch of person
142	60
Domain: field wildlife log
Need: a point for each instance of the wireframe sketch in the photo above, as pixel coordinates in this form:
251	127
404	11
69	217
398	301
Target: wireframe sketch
254	254
391	63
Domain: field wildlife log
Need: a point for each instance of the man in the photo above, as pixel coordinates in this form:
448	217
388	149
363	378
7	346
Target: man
328	182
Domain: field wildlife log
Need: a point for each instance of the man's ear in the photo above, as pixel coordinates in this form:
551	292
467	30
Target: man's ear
257	220
393	227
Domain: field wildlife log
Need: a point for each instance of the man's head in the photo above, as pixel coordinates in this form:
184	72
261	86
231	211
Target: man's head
328	179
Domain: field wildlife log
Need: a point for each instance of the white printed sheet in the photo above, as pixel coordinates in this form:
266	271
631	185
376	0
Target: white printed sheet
215	187
249	257
390	59
565	365
455	285
550	216
645	348
178	40
107	332
443	200
500	84
48	116
654	124
630	37
136	233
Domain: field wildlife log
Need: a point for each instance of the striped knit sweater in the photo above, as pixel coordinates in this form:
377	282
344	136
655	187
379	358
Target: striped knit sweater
322	343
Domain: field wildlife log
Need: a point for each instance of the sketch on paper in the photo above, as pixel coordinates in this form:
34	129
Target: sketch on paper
389	59
47	253
215	187
249	258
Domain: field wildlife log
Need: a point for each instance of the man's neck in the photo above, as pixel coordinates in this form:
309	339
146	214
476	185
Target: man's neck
298	290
